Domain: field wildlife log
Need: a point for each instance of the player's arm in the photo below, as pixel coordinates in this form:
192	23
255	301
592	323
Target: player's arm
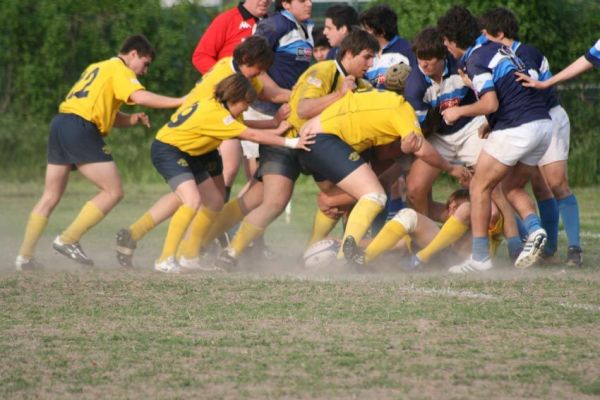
487	104
271	137
430	155
308	108
282	113
123	120
578	67
153	100
272	91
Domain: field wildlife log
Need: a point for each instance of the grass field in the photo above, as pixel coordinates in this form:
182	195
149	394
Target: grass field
278	331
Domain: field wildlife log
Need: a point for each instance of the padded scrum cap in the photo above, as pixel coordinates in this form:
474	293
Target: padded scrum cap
396	76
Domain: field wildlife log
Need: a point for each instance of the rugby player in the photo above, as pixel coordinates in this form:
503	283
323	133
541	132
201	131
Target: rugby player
339	21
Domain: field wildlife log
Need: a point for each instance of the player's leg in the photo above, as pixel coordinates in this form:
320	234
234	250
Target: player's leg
548	209
419	182
510	228
56	180
231	153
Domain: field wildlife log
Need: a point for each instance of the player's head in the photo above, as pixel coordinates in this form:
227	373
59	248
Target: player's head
396	76
258	8
138	53
357	51
236	92
300	9
500	22
339	20
321	44
459	28
381	21
430	51
253	56
457	198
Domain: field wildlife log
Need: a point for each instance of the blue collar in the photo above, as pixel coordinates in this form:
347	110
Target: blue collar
478	42
391	43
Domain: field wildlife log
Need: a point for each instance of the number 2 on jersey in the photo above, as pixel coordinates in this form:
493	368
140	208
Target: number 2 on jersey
89	78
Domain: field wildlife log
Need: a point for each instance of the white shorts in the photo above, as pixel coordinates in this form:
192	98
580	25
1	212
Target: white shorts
250	149
561	135
526	143
463	146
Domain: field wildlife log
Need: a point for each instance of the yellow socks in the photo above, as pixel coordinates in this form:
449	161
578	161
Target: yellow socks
89	216
360	219
451	231
202	222
246	234
35	227
142	226
386	239
177	227
230	215
322	225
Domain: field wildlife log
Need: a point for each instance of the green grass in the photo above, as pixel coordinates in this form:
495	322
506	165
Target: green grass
276	330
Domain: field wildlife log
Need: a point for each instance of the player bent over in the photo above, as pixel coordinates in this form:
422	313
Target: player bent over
521	130
185	153
356	123
87	114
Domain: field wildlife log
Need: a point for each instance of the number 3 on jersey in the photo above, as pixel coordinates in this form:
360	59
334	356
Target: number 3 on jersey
89	79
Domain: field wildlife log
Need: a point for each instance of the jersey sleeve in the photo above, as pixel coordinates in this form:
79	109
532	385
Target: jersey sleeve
268	29
406	121
317	84
481	76
222	125
414	93
124	84
207	50
593	55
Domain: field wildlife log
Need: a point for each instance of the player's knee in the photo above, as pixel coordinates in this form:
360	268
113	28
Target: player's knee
407	217
378	198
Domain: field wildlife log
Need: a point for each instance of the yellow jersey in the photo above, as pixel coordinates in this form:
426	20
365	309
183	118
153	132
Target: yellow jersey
319	80
371	118
224	68
100	92
200	126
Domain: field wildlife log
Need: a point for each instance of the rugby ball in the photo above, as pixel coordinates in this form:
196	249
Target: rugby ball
321	254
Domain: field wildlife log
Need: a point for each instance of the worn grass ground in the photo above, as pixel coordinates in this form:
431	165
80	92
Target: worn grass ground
278	331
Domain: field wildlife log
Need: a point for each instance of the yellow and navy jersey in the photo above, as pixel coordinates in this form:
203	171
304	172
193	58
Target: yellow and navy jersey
370	118
100	92
199	126
319	80
221	70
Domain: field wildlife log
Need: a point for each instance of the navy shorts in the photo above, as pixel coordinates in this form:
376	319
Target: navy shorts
74	140
278	161
330	158
177	166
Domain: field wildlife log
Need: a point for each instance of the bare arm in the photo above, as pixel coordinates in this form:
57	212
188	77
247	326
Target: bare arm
271	137
308	108
487	104
153	100
578	67
272	91
431	156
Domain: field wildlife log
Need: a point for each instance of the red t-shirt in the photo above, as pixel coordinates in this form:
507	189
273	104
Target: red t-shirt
221	37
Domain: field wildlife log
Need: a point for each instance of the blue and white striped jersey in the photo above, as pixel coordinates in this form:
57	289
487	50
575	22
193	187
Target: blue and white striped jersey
396	51
593	55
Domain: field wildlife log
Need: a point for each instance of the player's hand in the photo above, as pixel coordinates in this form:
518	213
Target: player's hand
465	78
484	131
331	211
462	174
305	140
283	127
349	83
528	81
411	143
282	113
139	119
451	115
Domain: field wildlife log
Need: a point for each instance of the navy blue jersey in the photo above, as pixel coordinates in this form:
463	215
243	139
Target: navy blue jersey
424	94
292	43
492	67
537	65
593	55
396	51
332	53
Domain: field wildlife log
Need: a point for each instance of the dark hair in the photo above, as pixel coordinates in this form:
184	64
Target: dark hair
461	195
140	44
319	38
429	44
356	41
460	26
342	15
279	4
254	51
500	20
235	88
382	20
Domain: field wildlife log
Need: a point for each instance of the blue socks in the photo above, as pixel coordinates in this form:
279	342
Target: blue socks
532	223
569	212
549	216
515	246
480	248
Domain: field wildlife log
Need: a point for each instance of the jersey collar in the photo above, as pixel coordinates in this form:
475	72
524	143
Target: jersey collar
245	13
390	43
478	43
234	66
340	68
